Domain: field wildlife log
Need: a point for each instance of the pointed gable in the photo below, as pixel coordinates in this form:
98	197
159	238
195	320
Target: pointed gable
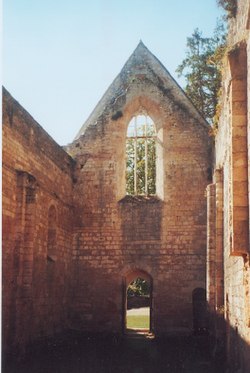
141	66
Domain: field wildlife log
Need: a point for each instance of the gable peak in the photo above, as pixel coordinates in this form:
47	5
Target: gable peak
140	47
141	64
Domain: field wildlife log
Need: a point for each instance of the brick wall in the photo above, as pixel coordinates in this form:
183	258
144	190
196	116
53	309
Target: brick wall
73	240
164	236
37	174
232	157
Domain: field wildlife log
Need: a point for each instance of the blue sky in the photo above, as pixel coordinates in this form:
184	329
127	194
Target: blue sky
59	56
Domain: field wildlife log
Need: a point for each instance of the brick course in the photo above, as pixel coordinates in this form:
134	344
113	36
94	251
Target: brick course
232	162
36	174
103	238
164	236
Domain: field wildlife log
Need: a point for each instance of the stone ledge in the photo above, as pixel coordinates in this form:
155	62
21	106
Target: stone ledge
140	199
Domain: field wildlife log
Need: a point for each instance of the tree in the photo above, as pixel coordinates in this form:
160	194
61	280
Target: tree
138	146
202	70
139	287
230	7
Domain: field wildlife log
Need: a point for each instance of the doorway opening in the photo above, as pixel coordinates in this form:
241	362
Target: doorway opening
200	316
138	304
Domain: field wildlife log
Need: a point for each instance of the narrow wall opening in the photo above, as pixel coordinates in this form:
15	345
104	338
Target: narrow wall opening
141	156
200	315
138	304
51	236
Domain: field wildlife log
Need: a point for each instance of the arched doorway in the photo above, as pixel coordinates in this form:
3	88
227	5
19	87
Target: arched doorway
138	302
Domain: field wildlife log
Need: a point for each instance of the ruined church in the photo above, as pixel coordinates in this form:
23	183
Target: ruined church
143	191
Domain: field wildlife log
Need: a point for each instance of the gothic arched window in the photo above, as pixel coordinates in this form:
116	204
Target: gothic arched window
141	156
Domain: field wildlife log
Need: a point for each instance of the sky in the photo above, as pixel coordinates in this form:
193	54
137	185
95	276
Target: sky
60	56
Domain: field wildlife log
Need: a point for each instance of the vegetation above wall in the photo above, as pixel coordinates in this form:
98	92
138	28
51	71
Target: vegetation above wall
202	69
230	7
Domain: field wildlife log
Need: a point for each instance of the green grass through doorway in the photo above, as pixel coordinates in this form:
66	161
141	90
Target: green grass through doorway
137	322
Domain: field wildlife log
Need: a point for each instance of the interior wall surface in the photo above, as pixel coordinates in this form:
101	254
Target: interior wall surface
37	177
232	159
163	235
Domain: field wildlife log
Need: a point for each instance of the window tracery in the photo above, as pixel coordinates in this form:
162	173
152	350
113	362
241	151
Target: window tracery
141	156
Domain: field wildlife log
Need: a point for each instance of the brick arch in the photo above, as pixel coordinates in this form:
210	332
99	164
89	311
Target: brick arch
134	273
52	215
139	103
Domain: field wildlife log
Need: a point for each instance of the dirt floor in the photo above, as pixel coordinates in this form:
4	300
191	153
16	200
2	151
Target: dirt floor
134	353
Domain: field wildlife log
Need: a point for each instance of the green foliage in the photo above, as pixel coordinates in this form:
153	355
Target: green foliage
202	70
139	146
137	322
230	6
139	287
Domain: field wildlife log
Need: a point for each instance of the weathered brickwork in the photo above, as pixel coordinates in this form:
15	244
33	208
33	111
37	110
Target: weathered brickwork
37	174
232	162
73	239
115	234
